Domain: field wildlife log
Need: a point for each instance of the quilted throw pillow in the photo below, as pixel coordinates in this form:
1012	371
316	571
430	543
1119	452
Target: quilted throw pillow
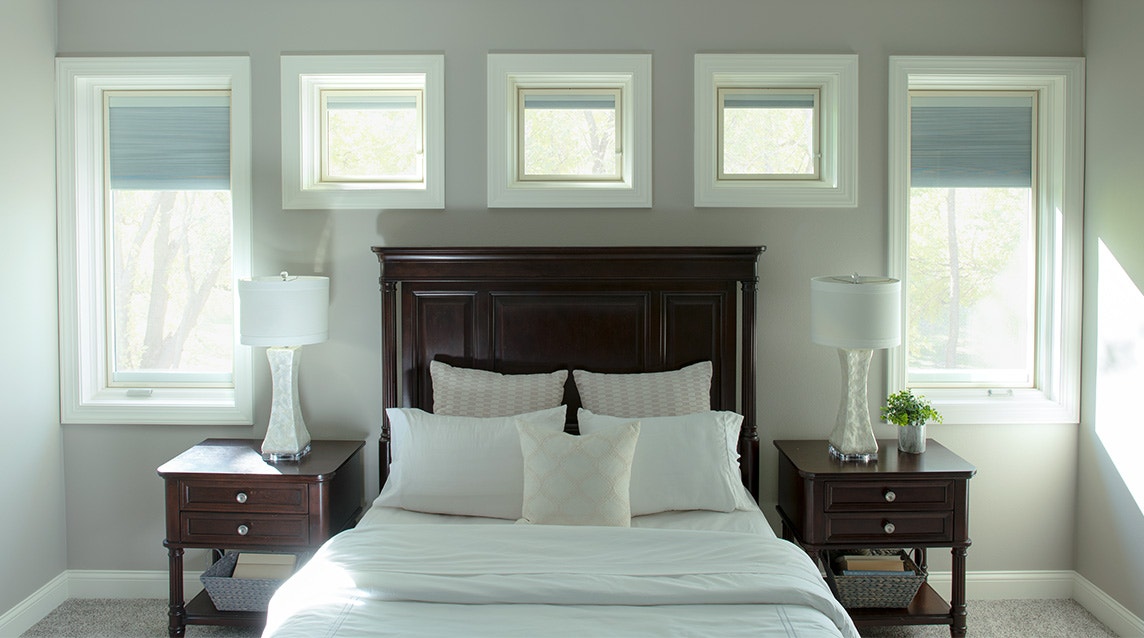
577	480
673	393
481	393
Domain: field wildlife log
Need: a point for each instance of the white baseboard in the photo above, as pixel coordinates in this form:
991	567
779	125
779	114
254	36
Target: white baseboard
978	586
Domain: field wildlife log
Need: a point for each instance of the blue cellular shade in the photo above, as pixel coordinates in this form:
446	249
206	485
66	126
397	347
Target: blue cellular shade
370	102
569	101
175	142
978	142
768	101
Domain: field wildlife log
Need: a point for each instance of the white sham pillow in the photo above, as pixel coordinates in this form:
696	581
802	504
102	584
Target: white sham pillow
483	393
459	465
676	392
688	462
577	480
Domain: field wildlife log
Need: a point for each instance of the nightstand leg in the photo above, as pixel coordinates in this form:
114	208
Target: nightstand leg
957	594
177	612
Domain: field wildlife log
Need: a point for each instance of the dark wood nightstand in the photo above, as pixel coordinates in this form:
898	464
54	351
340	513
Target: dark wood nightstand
222	495
901	500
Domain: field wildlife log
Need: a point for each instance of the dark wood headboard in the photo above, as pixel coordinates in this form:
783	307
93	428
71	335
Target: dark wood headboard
617	310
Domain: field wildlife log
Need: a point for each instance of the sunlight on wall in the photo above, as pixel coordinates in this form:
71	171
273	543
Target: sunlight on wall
1120	371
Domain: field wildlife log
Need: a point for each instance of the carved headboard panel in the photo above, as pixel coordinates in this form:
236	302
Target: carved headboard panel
518	310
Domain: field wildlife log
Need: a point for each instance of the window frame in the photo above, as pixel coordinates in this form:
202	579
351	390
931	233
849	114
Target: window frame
1059	143
721	94
835	77
629	73
304	79
87	394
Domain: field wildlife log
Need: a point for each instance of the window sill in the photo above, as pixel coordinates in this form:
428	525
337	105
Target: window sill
967	407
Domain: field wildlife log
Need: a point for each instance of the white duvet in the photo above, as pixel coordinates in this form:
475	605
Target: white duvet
535	580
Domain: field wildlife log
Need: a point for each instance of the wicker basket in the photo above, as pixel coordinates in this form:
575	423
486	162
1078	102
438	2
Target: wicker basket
877	590
237	594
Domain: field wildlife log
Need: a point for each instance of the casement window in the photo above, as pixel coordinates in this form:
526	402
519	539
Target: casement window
569	130
985	223
776	130
154	219
363	132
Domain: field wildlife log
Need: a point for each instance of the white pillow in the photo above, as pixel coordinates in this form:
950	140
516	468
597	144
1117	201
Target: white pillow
459	465
683	391
688	462
577	480
481	393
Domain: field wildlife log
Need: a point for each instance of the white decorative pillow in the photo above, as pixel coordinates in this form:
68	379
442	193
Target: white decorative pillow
683	391
460	465
481	393
688	462
577	480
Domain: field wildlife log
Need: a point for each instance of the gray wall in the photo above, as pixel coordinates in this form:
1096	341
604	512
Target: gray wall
1110	521
32	503
1022	498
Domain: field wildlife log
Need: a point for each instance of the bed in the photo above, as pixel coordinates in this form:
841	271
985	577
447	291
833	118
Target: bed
569	448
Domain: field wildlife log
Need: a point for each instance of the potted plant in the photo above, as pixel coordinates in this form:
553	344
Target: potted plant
911	412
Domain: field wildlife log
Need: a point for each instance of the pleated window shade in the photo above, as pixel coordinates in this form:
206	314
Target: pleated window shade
983	141
177	141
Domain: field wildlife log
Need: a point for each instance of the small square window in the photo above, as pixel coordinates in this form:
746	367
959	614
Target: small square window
776	130
569	130
363	131
768	133
569	134
372	136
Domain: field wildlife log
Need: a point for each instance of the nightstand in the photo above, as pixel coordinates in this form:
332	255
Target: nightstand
222	495
902	500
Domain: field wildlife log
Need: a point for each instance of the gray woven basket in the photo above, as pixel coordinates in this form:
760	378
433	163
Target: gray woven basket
237	594
877	590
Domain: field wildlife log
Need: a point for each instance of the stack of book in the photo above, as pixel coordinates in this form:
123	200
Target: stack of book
871	565
264	566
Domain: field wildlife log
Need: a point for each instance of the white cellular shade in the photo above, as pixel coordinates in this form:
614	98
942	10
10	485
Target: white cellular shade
855	314
277	311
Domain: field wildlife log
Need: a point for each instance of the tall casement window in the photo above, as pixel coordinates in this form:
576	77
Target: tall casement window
985	225
363	131
154	208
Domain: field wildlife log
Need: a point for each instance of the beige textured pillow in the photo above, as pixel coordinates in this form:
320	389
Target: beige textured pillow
483	394
578	480
673	393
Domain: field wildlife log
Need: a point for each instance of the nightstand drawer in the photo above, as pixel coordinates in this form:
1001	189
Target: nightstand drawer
888	526
236	530
242	497
841	496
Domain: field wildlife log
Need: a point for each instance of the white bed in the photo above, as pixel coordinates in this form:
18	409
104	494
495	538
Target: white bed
571	458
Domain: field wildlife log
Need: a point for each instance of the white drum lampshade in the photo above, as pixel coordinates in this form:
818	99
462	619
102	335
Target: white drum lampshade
857	315
284	312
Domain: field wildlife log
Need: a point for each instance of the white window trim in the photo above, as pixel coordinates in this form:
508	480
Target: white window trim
85	394
632	72
1060	81
835	76
303	79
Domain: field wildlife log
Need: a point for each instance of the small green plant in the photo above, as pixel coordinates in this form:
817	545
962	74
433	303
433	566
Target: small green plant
903	408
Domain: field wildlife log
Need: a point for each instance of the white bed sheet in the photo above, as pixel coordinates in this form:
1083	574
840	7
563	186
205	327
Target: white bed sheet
405	573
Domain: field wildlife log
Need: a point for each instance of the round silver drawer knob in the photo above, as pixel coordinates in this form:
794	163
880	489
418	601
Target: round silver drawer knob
888	527
243	530
241	497
889	496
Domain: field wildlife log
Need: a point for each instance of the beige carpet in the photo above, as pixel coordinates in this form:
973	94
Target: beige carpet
147	618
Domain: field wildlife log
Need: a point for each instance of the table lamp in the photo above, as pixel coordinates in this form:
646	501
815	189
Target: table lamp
284	312
857	315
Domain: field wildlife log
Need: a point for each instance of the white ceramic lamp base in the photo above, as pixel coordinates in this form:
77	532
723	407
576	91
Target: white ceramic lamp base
286	436
853	435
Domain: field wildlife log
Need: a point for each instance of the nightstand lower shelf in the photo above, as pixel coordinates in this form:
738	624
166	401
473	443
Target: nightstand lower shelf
927	608
201	611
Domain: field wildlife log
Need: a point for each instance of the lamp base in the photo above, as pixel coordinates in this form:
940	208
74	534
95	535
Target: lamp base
285	457
853	437
852	457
